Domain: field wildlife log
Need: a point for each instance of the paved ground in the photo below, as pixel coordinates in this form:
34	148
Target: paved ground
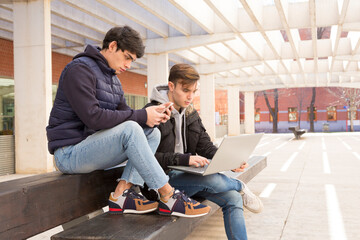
310	190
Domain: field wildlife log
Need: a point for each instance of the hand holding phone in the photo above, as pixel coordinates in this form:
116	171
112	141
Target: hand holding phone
168	106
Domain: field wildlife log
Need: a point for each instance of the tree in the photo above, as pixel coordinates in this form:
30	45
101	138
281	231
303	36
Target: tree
349	97
320	32
274	113
312	115
300	94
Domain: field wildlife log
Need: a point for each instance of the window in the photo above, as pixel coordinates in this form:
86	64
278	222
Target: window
293	115
136	102
308	114
257	115
331	113
353	114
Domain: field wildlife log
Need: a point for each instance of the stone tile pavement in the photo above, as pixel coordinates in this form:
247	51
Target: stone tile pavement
310	190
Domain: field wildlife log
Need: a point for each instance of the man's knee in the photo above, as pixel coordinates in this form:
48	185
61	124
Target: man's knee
234	199
153	133
131	127
216	182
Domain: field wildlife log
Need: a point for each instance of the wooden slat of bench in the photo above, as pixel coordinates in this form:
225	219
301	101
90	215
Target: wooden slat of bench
35	204
148	226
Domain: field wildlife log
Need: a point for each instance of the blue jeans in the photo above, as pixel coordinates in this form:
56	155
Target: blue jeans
220	189
110	147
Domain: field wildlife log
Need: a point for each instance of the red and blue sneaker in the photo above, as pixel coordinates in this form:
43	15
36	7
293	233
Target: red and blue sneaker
131	202
182	206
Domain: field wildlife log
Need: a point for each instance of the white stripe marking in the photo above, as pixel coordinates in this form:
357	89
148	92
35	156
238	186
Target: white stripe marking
286	165
336	224
262	144
281	145
345	144
267	154
267	190
323	144
302	146
356	138
326	163
357	155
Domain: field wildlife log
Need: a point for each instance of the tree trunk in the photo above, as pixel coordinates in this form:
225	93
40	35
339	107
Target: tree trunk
312	116
352	111
275	118
273	113
299	113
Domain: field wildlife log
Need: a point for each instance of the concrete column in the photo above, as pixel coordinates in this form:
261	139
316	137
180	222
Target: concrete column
233	111
157	71
249	112
32	74
207	103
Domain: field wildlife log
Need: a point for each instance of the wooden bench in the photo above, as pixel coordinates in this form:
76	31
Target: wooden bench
35	204
297	131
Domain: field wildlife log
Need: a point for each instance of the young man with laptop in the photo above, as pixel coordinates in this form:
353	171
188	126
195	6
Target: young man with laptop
184	142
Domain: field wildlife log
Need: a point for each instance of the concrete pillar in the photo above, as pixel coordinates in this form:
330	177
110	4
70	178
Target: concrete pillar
32	74
157	71
233	111
207	103
249	112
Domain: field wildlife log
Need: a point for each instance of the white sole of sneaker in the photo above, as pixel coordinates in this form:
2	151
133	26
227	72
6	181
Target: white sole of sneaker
255	210
187	216
139	212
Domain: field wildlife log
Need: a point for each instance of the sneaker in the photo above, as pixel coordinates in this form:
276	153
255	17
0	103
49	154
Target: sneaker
182	206
250	200
131	202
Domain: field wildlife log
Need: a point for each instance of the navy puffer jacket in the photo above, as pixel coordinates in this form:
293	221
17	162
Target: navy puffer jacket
89	98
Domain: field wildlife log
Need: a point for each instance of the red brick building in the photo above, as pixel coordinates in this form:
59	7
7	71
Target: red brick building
133	84
331	109
293	103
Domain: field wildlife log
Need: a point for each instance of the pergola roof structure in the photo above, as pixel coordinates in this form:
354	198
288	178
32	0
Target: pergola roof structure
252	44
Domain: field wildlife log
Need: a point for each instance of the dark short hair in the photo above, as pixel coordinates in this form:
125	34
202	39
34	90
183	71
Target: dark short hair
184	74
126	38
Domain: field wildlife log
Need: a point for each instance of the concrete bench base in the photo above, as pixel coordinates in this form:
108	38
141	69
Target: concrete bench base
149	226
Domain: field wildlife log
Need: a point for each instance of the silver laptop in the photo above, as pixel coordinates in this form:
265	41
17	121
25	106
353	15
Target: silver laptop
232	153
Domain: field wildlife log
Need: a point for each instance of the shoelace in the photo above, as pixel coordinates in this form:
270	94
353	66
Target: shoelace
183	196
134	194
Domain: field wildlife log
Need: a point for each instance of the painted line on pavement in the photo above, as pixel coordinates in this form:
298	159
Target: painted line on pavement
263	144
357	155
267	190
345	144
267	154
286	165
326	163
335	221
266	143
323	143
281	145
356	138
301	146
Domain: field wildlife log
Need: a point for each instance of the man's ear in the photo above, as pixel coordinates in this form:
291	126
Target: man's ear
171	86
113	46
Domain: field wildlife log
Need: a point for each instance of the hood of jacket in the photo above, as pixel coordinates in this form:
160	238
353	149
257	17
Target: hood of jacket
160	94
94	53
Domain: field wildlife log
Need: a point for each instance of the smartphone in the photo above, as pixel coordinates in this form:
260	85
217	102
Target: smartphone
168	107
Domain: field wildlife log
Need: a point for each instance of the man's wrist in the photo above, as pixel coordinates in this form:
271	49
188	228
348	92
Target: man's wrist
184	159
